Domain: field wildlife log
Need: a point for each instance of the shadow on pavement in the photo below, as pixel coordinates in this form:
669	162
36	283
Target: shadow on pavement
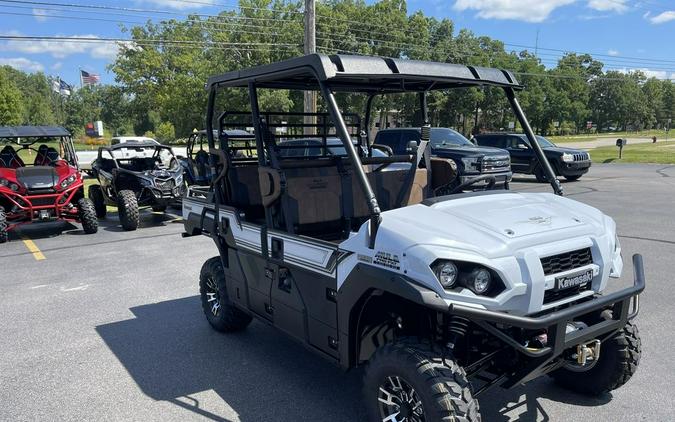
171	353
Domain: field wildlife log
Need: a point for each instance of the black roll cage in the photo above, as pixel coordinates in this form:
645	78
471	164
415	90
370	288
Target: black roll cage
116	160
360	74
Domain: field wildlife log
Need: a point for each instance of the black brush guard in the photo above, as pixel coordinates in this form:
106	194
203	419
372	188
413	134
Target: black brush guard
544	359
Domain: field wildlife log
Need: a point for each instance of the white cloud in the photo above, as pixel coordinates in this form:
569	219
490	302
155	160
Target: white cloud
658	74
663	17
179	4
22	63
608	5
57	66
61	49
523	10
613	52
40	15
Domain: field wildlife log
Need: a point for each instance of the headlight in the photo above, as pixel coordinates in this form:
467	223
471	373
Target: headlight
479	280
4	182
454	275
568	158
471	163
447	273
68	181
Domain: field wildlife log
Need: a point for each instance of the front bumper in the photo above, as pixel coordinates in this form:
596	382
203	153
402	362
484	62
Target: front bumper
26	208
575	168
499	177
555	323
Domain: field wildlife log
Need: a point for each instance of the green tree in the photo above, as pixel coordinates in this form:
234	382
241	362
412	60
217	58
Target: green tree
11	107
165	133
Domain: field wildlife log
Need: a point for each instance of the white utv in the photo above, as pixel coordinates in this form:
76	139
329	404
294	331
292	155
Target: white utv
440	297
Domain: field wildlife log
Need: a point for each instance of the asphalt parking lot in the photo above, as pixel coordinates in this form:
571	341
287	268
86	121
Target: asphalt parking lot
109	327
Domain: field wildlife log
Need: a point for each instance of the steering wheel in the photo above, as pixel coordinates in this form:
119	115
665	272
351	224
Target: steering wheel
491	180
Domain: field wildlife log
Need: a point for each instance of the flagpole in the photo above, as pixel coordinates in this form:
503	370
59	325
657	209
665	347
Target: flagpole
81	81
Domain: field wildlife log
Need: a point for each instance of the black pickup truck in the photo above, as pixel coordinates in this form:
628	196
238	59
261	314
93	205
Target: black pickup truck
471	160
567	162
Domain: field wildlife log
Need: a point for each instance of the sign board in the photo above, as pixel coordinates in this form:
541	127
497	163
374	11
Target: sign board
589	125
94	130
512	125
556	124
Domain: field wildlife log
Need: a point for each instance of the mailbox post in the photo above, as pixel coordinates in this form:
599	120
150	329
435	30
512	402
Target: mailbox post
621	143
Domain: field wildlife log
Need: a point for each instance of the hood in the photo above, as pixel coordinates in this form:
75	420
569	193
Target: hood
492	225
468	151
37	177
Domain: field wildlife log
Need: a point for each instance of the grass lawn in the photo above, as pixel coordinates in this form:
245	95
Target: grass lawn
660	153
660	134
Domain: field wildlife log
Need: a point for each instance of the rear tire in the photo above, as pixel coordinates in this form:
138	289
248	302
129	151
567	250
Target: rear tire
127	206
4	236
96	196
219	310
410	377
619	359
87	214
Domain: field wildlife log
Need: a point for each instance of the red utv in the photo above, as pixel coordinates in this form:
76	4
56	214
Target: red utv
50	188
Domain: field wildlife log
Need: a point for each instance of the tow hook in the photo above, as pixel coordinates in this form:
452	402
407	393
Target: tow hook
588	352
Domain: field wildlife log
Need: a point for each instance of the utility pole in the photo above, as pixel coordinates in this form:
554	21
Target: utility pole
310	48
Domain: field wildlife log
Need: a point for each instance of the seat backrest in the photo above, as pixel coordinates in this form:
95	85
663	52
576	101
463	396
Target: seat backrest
41	157
201	161
9	158
244	186
387	186
443	172
313	195
52	155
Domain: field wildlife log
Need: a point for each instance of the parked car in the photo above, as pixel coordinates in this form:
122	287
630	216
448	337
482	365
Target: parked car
570	163
440	298
470	159
48	189
151	177
87	158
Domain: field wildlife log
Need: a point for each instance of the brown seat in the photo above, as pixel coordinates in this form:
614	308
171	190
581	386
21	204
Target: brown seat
443	172
387	186
313	196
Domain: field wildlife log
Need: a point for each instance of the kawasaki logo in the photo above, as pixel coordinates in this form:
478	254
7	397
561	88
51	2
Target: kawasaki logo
574	280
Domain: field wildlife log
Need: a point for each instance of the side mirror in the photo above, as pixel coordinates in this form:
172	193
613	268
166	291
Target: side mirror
412	147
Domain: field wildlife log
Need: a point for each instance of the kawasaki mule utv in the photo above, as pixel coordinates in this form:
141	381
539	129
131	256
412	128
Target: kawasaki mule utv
128	180
440	297
48	189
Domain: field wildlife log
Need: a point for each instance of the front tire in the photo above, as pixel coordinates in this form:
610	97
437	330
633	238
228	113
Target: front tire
127	206
408	381
619	359
572	178
96	196
4	236
87	213
219	310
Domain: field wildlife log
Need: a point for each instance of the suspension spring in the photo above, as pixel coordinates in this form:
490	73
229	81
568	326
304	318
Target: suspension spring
457	328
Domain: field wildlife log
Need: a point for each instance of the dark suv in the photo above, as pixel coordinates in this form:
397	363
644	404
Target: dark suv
568	162
471	160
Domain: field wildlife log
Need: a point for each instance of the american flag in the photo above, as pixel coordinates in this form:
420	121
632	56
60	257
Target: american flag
89	78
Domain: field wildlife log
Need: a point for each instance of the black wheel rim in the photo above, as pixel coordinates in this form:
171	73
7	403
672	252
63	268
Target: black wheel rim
212	296
399	402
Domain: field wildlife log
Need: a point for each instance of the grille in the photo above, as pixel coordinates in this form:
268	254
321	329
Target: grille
40	202
566	261
495	164
554	296
582	156
164	185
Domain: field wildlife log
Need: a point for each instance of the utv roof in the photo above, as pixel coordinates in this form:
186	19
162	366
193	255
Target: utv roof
32	132
363	74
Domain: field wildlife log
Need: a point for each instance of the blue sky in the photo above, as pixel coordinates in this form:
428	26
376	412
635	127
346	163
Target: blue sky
630	34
